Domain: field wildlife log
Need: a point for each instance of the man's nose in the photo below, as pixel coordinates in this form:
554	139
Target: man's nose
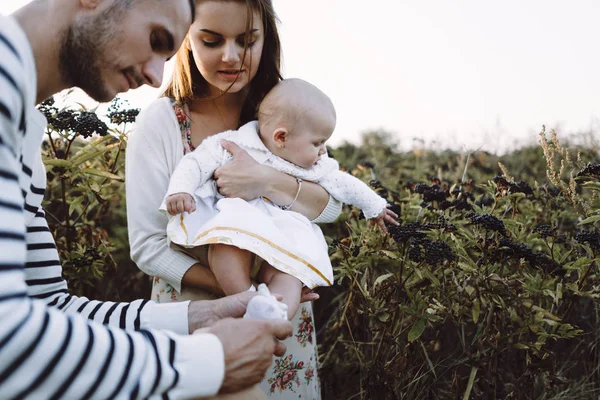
153	72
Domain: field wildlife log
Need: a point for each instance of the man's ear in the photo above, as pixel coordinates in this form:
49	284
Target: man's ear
280	136
90	4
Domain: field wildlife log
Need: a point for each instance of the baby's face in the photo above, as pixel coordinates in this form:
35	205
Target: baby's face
305	143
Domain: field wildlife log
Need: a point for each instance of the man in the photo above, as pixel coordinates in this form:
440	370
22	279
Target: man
54	345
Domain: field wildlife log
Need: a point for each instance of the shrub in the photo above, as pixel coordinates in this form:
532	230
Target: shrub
85	199
488	289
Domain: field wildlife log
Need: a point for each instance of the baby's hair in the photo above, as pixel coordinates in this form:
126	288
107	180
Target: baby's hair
291	102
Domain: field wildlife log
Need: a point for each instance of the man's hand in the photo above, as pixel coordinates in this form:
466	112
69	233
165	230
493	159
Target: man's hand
205	313
386	215
180	202
249	345
243	177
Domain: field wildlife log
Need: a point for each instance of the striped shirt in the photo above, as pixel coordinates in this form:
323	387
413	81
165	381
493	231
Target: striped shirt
54	345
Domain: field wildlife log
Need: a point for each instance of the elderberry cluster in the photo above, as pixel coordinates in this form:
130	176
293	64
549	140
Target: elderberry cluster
120	113
432	252
553	191
378	188
590	237
63	121
489	222
85	260
512	187
84	123
545	230
431	192
47	108
59	120
402	233
592	170
88	123
519	250
368	164
123	116
441	224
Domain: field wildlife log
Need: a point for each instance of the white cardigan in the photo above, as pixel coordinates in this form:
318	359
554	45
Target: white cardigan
153	151
194	172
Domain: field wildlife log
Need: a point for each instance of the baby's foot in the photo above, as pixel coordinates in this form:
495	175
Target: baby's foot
266	306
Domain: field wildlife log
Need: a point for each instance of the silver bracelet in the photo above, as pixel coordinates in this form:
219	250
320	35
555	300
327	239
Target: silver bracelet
299	180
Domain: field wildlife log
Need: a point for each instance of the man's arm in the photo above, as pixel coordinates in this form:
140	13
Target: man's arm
47	352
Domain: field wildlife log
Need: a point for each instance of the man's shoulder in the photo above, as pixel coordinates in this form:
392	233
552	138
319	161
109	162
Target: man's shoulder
16	55
18	88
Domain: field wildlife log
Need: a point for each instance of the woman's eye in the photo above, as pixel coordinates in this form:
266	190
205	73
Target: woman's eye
210	44
248	43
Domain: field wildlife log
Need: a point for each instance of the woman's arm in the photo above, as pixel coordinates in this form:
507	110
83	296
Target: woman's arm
246	178
281	189
151	157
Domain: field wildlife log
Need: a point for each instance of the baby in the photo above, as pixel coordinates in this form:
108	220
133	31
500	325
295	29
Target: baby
258	238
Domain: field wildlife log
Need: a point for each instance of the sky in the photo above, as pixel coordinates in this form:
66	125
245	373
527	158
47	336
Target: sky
466	74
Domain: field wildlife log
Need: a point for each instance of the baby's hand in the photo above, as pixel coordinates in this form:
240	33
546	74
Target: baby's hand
180	202
386	215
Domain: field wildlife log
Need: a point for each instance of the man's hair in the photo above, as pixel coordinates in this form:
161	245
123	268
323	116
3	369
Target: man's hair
193	7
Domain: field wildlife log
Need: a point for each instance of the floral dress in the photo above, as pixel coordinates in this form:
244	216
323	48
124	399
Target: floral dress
293	376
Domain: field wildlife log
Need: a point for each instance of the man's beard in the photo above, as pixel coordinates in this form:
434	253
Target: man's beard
83	54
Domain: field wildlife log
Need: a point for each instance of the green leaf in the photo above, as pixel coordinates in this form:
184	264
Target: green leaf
563	257
592	185
390	254
82	157
381	278
95	186
104	174
384	317
469	289
590	220
476	311
58	163
416	330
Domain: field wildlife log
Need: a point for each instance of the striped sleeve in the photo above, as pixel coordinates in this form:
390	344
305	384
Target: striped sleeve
43	274
50	354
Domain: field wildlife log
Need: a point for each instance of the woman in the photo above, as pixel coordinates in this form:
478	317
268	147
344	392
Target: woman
228	62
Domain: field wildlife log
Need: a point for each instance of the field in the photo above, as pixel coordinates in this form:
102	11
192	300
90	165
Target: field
488	289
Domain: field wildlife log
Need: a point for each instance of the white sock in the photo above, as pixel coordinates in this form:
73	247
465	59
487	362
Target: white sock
251	289
266	306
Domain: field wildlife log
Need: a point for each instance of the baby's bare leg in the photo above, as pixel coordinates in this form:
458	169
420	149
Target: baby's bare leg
231	266
281	283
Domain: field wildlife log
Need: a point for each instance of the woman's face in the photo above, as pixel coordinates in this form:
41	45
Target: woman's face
217	40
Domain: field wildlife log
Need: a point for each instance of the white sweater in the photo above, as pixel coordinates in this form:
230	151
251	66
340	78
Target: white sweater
52	344
153	151
194	172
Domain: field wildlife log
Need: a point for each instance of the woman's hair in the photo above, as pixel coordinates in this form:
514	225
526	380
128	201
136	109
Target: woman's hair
188	83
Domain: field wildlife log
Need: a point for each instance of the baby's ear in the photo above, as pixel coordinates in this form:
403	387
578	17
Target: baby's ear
280	136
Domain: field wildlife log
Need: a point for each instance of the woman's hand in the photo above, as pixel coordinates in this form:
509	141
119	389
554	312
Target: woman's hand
243	177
